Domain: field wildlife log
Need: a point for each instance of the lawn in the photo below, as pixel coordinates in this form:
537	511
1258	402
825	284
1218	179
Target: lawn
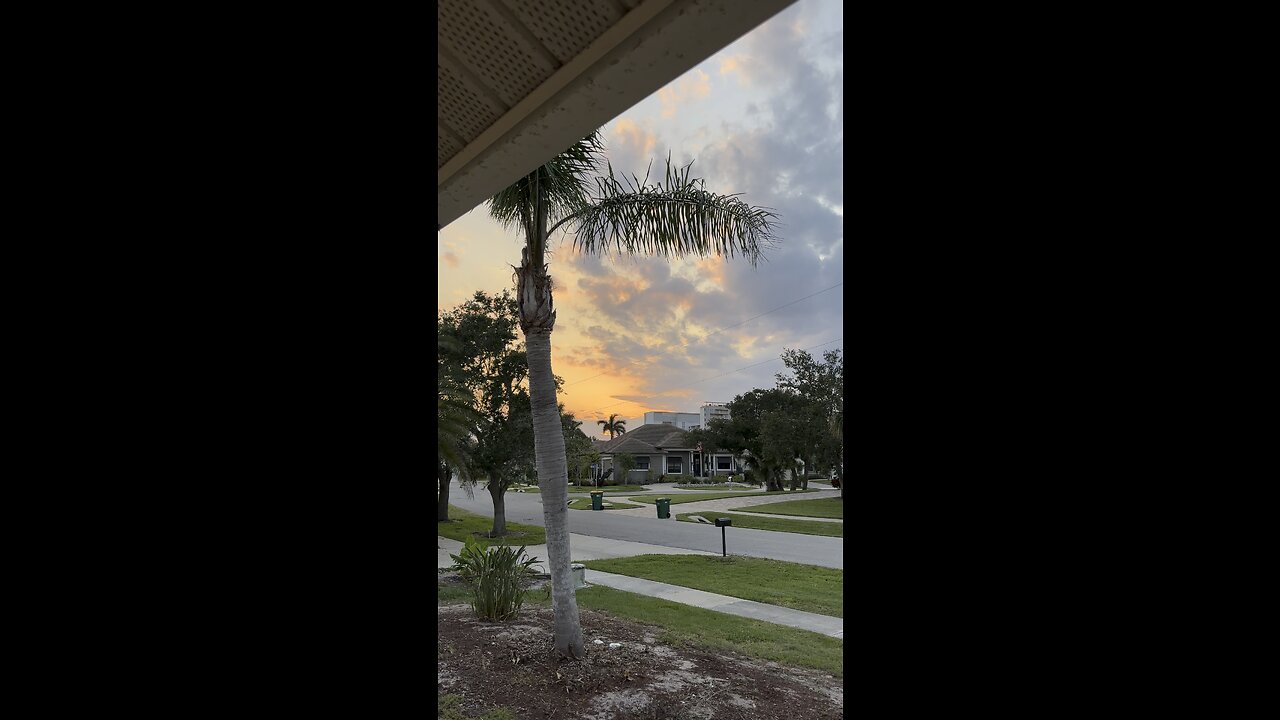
584	488
826	507
686	624
585	504
463	525
802	587
804	527
677	498
452	594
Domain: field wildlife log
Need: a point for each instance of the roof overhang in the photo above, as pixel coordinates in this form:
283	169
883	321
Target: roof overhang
583	66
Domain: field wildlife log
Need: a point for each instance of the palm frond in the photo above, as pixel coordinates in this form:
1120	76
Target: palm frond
456	422
675	218
565	178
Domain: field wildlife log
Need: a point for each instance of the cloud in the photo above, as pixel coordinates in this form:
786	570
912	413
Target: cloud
637	334
450	258
694	85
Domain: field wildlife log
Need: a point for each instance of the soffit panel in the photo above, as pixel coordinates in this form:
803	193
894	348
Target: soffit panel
446	144
500	52
565	27
521	81
464	106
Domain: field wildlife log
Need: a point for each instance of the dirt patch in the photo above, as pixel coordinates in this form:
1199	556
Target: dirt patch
514	665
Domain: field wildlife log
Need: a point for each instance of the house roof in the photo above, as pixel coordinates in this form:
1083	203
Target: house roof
519	82
648	439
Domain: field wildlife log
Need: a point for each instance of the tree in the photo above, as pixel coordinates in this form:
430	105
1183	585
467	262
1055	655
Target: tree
705	438
612	426
493	370
822	383
579	451
456	420
677	218
625	462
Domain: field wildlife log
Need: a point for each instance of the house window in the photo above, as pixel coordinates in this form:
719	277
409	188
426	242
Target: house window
674	466
642	462
724	462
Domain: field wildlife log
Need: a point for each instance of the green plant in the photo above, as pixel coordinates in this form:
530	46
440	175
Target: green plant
497	577
624	462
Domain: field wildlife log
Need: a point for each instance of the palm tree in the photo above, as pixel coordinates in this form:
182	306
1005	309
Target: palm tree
456	421
676	218
612	426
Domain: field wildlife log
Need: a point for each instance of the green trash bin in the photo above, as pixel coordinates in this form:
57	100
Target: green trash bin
664	508
597	499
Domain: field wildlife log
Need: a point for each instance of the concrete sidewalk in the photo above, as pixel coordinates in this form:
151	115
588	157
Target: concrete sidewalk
822	624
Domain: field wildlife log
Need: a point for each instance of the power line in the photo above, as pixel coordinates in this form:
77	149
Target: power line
686	342
793	302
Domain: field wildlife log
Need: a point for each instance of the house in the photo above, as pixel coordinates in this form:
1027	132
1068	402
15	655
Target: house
664	450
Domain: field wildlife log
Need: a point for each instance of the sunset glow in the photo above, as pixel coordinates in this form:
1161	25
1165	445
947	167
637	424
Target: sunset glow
764	118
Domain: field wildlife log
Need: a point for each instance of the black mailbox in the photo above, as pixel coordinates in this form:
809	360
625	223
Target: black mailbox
721	522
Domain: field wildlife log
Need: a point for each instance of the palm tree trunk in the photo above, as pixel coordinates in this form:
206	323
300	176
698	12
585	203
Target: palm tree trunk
497	491
537	318
443	472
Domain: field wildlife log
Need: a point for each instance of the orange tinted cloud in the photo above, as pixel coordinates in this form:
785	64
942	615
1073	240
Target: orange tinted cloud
631	136
736	65
693	86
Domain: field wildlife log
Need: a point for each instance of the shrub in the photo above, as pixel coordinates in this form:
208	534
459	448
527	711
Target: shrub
497	578
679	478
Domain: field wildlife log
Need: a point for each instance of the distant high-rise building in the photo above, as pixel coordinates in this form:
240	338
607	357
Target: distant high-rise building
684	421
713	411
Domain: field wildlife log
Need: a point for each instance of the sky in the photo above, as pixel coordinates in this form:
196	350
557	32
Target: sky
763	117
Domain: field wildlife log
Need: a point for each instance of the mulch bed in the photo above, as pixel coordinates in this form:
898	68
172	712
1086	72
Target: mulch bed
514	665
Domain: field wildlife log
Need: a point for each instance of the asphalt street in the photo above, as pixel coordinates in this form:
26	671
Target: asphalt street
792	547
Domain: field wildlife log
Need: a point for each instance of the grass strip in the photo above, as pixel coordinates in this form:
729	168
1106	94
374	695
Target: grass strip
688	625
824	507
677	498
462	525
802	527
774	582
